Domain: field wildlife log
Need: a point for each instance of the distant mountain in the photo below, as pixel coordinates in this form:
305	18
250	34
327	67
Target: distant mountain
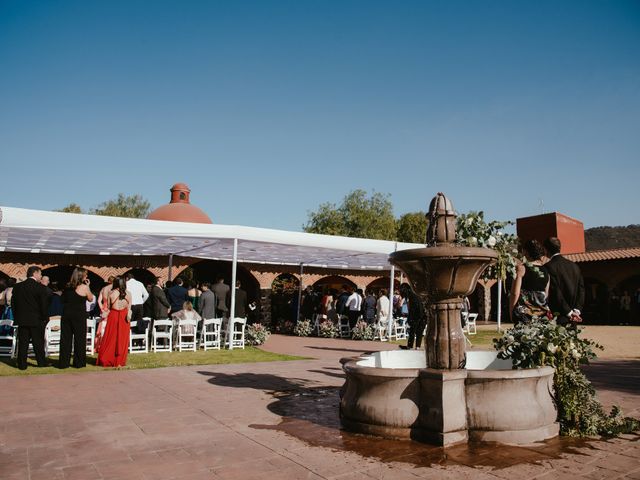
604	238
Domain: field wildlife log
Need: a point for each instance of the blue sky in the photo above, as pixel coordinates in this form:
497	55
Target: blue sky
267	109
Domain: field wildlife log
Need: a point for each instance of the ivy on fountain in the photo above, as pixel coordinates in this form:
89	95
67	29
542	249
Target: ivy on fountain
541	343
473	231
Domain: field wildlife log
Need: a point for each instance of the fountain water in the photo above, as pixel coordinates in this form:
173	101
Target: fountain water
448	396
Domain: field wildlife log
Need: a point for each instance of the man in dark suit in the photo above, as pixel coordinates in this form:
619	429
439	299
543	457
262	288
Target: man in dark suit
30	303
177	295
159	305
241	301
566	288
220	290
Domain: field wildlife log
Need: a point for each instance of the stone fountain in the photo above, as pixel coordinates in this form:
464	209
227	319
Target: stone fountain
446	395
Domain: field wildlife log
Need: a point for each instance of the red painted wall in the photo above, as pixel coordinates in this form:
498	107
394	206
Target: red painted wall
569	230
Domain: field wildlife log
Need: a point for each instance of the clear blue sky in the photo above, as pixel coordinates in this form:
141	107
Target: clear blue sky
267	109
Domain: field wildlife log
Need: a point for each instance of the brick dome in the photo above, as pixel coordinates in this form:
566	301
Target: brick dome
179	209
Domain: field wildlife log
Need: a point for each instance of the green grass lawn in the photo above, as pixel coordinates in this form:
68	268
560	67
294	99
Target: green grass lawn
156	360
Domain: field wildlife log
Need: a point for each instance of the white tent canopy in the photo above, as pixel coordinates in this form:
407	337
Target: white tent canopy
37	231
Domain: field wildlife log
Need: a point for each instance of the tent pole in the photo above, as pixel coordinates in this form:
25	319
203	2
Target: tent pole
232	307
299	292
390	315
499	306
170	274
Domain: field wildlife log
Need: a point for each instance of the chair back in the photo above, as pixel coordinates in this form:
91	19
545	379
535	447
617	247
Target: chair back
165	322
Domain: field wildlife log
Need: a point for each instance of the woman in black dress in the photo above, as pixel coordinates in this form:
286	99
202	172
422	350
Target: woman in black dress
73	323
528	299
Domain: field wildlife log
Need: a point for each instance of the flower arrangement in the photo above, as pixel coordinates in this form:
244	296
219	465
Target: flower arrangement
328	329
303	328
541	343
473	231
285	327
363	331
256	334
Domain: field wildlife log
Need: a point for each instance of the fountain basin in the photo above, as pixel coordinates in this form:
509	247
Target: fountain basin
392	394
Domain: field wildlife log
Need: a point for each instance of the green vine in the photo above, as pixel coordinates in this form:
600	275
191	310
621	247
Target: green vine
541	343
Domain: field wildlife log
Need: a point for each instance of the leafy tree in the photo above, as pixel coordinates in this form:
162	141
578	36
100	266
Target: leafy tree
133	206
71	208
357	216
412	227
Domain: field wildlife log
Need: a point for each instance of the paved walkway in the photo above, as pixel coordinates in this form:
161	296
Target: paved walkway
267	420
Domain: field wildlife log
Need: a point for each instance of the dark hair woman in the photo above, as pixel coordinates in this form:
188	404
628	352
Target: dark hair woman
530	288
73	324
114	346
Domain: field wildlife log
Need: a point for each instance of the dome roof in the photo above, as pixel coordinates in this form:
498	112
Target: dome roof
179	209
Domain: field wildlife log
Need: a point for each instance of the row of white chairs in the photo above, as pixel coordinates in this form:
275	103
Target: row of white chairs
211	337
398	328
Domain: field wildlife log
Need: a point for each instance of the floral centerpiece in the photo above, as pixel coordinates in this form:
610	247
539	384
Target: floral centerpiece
542	343
328	329
363	331
303	328
256	334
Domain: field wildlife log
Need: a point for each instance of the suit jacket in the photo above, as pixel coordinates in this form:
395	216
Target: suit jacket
30	304
566	287
159	305
220	290
241	303
207	305
177	295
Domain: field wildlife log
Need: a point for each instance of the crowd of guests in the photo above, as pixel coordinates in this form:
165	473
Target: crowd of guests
123	305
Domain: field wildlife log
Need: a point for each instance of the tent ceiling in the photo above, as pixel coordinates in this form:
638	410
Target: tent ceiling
39	231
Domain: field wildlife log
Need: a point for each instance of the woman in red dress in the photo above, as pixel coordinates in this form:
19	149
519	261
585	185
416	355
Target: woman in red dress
114	346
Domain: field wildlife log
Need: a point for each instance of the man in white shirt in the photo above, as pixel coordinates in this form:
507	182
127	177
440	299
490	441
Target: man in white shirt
353	305
139	295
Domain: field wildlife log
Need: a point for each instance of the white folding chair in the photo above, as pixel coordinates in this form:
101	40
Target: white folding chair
142	339
210	334
470	324
400	328
187	341
236	337
382	330
162	332
91	334
52	337
7	338
345	328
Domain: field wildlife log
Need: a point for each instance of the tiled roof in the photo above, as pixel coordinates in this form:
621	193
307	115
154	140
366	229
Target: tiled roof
600	255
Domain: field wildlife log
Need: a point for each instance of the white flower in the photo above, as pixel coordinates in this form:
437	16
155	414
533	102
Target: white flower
468	221
472	241
510	338
492	241
552	348
575	354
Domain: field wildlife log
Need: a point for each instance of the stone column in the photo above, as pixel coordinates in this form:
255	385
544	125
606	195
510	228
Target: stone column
445	342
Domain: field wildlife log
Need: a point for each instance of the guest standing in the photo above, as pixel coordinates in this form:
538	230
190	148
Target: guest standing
242	303
73	324
30	303
415	316
382	306
207	306
160	306
566	288
369	307
114	347
530	288
220	290
177	295
139	295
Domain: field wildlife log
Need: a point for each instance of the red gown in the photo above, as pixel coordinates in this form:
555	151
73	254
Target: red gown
114	346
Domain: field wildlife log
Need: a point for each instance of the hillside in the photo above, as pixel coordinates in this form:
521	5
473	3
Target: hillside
600	238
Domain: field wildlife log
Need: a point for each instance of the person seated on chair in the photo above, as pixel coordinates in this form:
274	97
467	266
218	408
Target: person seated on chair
187	313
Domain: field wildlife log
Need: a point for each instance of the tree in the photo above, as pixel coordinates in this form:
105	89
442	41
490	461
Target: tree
412	227
133	206
357	216
71	208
